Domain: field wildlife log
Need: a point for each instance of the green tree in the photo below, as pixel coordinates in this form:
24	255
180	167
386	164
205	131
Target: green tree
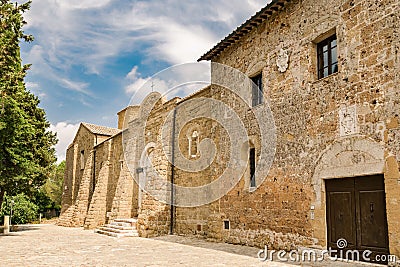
54	184
23	210
42	200
26	146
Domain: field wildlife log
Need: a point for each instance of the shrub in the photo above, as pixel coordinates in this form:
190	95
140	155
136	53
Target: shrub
24	211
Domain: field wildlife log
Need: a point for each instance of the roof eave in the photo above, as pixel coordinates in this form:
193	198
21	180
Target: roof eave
245	28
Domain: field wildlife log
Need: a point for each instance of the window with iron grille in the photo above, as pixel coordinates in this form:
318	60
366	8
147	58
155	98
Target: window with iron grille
257	90
327	57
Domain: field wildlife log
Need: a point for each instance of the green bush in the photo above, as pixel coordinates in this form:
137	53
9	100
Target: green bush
24	211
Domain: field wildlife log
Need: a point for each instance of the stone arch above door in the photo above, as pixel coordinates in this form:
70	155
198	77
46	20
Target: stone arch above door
351	157
348	157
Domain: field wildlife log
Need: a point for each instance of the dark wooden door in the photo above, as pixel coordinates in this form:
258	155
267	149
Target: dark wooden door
341	212
356	212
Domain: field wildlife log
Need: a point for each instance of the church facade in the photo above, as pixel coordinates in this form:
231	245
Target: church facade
328	74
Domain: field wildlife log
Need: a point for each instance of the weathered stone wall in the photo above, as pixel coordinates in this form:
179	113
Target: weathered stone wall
306	112
288	208
97	211
98	187
79	172
154	211
194	117
68	183
115	192
126	115
67	203
122	193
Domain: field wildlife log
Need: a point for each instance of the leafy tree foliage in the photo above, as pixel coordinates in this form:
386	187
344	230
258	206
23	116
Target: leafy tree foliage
23	210
54	185
42	200
26	146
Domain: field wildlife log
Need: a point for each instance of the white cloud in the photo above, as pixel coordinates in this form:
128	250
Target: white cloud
31	85
44	66
182	44
35	89
136	82
75	86
83	37
65	134
176	81
91	32
83	4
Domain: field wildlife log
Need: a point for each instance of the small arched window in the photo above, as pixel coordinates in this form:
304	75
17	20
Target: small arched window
193	144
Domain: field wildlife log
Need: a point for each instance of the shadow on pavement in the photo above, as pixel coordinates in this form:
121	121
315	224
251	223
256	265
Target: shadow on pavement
204	243
19	228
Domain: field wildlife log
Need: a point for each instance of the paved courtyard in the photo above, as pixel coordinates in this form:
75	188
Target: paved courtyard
50	245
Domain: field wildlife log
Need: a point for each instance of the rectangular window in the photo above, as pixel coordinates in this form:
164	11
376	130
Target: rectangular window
327	57
257	90
82	159
252	162
227	225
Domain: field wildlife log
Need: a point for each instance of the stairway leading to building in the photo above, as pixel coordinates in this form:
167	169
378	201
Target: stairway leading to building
119	228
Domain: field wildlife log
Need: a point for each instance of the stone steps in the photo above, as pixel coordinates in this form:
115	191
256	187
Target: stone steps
119	228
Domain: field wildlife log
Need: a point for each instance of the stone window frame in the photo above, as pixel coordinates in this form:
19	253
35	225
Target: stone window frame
193	134
330	29
332	64
226	223
253	142
82	159
257	93
257	67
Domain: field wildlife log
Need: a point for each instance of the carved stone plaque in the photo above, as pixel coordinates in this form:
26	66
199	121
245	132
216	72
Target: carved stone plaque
348	120
282	60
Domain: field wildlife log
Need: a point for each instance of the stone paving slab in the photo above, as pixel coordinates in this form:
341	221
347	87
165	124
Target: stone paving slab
51	245
252	252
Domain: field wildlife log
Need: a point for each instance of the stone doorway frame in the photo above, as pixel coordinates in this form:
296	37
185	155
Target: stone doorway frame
144	159
351	157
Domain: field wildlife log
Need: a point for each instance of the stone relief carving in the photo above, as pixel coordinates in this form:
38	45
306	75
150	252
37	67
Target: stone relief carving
282	60
358	158
348	120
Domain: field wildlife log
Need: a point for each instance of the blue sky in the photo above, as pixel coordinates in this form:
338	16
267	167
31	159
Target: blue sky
90	56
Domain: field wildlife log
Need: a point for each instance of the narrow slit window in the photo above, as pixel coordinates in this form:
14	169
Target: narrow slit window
252	162
327	57
257	90
82	159
193	143
227	225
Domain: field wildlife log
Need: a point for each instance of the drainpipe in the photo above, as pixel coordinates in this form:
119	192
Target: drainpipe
94	169
172	207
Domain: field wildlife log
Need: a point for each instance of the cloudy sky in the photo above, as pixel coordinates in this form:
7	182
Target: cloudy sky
90	56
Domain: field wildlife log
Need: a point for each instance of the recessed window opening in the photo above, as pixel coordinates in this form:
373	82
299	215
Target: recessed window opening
257	90
327	57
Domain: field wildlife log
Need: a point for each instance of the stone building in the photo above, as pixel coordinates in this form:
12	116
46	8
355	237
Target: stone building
329	74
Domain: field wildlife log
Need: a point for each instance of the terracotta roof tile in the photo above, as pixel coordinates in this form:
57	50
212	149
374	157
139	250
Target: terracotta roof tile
102	130
246	27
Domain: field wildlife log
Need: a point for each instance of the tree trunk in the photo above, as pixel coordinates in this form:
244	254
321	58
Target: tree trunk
1	196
